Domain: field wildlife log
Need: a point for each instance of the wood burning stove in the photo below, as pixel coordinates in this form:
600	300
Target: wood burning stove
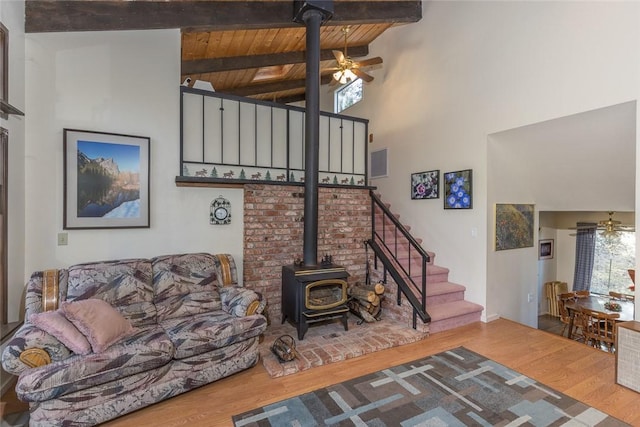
314	294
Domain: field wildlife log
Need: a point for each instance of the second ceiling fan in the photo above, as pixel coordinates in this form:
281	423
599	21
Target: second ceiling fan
347	69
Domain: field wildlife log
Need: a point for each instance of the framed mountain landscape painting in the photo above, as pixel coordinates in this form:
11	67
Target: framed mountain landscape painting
106	180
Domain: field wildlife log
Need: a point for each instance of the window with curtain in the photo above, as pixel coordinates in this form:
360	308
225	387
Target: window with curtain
585	254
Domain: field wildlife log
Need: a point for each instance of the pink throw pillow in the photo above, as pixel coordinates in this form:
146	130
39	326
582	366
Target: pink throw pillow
54	323
100	323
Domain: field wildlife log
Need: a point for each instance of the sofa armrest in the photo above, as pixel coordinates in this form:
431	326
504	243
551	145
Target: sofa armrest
241	301
30	341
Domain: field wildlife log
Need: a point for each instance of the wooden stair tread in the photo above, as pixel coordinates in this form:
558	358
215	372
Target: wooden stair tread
452	309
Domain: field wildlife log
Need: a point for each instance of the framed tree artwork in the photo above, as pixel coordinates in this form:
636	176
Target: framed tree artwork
106	180
514	226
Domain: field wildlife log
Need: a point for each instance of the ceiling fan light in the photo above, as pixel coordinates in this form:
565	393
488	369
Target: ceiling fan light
610	235
344	76
350	76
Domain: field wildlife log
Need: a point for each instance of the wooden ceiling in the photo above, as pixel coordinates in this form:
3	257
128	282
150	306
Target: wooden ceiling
245	48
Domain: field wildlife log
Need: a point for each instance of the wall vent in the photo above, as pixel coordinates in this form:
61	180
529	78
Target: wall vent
379	165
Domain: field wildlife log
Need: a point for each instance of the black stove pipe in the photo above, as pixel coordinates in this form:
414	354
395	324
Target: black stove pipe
312	14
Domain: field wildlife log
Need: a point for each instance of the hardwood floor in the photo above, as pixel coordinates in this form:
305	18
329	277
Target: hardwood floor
552	324
579	371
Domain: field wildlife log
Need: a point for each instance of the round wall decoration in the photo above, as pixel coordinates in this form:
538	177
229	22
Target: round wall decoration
220	211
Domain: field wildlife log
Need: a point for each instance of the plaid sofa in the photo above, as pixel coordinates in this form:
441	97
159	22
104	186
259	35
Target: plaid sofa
193	325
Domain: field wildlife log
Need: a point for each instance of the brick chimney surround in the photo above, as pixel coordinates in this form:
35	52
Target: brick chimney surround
273	234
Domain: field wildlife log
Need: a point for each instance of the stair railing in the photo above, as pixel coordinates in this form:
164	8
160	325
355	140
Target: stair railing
388	235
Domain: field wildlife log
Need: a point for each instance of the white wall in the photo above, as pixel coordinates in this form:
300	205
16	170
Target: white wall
122	82
468	70
555	165
12	16
566	256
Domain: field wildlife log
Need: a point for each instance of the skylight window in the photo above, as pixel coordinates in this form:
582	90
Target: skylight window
348	95
272	72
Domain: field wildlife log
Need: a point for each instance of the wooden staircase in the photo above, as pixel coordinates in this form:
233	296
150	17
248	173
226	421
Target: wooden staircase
445	301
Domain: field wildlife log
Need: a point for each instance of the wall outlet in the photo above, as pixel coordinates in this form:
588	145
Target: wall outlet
63	239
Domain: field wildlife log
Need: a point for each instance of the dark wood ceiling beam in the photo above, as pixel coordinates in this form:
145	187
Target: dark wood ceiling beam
199	15
212	65
279	86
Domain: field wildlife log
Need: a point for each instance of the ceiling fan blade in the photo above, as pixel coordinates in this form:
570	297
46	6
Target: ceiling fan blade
364	76
339	56
369	62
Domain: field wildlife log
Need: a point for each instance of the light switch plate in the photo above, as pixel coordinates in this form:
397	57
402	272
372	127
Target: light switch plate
63	239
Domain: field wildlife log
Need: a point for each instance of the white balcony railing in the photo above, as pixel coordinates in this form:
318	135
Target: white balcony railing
225	137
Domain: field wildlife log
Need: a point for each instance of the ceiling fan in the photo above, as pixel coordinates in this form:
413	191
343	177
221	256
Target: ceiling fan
347	69
609	227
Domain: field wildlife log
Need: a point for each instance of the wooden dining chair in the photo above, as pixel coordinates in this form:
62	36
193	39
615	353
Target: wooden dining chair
582	294
565	316
599	329
621	296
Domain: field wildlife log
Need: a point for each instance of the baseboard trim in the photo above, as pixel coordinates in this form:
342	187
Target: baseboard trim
492	318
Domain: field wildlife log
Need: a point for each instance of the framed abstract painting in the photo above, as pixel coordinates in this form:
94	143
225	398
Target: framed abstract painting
425	185
106	180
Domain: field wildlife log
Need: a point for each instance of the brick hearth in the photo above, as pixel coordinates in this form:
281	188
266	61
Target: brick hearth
328	342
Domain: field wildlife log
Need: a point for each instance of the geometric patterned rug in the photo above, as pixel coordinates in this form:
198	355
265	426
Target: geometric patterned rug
454	388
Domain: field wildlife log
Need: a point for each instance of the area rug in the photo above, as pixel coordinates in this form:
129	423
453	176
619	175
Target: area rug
453	388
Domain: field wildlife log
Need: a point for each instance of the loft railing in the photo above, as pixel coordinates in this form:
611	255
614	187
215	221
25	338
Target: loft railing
401	255
226	137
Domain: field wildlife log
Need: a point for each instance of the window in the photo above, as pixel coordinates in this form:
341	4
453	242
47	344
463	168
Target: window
612	259
348	95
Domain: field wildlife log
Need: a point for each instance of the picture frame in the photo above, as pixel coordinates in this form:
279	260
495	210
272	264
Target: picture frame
425	185
458	189
106	180
545	249
514	226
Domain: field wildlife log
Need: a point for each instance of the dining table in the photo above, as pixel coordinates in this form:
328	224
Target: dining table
596	302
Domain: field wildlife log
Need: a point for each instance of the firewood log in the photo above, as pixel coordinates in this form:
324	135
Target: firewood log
366	302
374	310
377	288
363	294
